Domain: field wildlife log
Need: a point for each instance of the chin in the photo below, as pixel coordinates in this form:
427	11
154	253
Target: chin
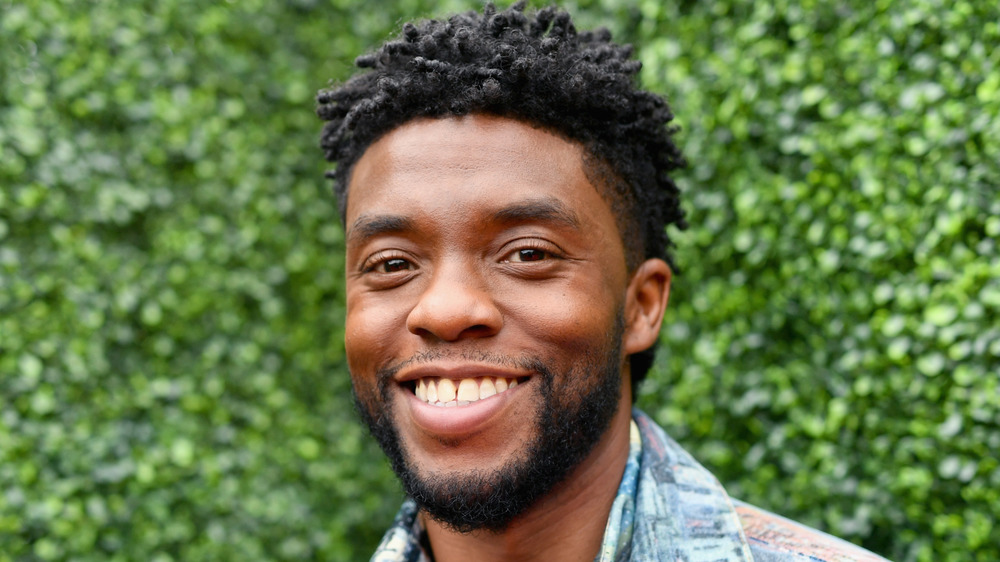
567	424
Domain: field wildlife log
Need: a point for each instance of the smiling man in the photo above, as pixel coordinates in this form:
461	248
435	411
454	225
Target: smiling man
506	190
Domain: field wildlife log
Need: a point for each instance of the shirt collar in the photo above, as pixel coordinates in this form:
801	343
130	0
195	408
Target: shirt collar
618	532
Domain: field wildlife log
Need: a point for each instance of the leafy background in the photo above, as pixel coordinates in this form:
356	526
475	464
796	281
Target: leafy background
172	382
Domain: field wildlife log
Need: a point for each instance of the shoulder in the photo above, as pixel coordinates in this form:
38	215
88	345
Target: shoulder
684	499
773	538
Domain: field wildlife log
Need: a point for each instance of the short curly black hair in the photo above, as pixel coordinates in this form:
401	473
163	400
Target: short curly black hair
533	68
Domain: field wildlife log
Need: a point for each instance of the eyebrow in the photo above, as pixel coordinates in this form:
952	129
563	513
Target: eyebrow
548	209
367	227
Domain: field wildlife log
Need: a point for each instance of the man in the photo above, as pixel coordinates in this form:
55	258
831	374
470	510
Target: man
505	192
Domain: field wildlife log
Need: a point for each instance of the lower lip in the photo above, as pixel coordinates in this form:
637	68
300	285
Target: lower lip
458	421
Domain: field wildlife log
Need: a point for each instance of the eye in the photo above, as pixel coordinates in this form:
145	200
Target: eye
393	264
531	250
528	254
385	262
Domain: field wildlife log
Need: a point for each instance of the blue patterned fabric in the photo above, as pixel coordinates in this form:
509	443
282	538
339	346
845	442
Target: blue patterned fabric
669	507
401	543
621	519
682	512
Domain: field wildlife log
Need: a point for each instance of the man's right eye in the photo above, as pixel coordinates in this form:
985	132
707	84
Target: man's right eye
392	265
387	262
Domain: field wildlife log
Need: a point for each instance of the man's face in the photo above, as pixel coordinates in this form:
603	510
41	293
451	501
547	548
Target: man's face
486	283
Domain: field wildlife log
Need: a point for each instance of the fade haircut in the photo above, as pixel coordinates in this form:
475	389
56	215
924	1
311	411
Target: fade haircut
535	68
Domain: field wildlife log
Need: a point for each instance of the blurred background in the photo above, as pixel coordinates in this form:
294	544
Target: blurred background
172	380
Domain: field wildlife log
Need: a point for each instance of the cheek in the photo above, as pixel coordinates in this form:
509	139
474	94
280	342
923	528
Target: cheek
369	332
575	322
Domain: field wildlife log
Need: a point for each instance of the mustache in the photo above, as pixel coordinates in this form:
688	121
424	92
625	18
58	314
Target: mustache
523	362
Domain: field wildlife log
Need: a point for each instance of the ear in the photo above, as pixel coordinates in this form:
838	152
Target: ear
645	300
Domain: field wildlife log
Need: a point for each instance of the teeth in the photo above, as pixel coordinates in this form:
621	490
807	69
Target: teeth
468	390
446	390
432	392
443	392
486	388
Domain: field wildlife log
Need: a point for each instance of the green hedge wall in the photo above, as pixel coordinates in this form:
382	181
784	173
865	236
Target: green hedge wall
172	384
833	346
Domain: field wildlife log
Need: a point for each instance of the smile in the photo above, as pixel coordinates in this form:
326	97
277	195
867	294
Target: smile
443	392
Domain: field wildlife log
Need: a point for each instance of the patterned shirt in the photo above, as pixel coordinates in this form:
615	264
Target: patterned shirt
668	507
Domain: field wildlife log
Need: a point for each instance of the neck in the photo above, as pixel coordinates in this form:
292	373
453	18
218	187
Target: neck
567	524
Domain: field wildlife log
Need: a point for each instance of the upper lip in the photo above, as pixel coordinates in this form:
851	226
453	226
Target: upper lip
457	372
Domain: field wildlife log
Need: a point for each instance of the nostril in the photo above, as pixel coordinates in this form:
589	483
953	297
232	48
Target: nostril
479	329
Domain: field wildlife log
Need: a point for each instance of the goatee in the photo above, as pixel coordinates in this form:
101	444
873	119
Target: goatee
570	422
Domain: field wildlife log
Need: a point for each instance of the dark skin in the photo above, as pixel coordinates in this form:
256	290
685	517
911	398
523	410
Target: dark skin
479	234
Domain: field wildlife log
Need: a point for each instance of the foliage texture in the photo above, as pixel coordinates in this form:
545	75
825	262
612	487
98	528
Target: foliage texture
172	383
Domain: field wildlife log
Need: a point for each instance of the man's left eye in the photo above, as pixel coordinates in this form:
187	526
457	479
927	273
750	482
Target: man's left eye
528	254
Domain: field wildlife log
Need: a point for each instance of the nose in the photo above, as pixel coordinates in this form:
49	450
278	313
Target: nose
456	304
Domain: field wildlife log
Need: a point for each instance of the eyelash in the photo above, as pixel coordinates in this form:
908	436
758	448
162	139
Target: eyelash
546	248
383	257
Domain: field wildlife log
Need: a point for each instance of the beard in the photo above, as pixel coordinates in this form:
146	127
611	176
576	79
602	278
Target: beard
570	422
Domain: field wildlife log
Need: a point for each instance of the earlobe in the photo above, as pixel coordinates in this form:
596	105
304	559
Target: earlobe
645	300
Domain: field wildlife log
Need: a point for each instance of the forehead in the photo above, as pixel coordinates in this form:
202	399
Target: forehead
451	165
